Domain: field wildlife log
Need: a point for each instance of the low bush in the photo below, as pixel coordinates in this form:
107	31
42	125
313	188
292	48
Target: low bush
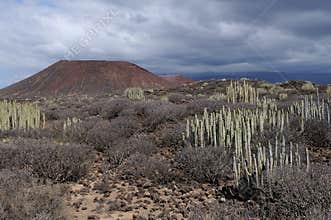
142	166
290	193
222	211
99	135
205	165
104	134
22	198
266	85
78	132
156	113
276	90
287	193
96	108
172	137
138	144
31	133
113	108
308	87
61	111
46	160
178	98
52	114
317	134
198	106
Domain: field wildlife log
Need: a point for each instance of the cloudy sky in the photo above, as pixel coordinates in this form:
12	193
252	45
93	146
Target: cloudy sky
166	36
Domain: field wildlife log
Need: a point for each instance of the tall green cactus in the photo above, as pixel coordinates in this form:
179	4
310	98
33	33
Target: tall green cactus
14	115
233	129
238	92
134	93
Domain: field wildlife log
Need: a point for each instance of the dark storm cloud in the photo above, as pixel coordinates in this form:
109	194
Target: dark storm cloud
168	36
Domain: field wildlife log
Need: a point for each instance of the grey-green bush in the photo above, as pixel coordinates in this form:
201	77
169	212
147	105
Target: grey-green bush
205	165
21	197
47	160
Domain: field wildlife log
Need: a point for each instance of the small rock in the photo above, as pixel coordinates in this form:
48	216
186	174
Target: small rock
93	217
147	185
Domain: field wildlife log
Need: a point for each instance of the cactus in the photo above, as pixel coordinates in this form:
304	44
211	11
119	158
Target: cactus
134	93
24	116
328	90
71	126
233	129
238	92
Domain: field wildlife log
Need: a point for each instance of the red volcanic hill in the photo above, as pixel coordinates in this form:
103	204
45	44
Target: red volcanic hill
176	79
85	77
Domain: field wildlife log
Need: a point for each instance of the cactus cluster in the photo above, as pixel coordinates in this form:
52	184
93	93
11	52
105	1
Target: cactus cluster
134	93
23	116
233	129
328	89
238	92
310	108
261	164
70	122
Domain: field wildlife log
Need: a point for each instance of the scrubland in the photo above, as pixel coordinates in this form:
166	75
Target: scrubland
219	149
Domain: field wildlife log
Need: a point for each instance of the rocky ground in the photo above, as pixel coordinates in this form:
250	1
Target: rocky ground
106	196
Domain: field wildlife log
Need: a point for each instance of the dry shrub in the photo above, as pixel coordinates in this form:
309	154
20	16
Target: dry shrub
198	106
178	98
317	213
99	136
31	133
65	110
172	137
156	113
78	132
124	127
9	153
21	198
291	193
317	133
222	211
113	108
47	160
138	144
142	166
95	109
105	133
206	165
308	87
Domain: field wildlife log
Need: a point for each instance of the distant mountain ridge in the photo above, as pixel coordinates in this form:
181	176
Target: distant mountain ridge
321	78
176	79
85	77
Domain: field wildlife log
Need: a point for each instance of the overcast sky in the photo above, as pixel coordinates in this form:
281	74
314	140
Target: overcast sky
166	36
